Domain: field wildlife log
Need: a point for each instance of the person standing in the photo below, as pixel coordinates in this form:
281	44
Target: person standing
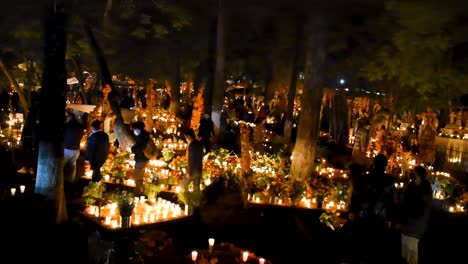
361	141
194	160
141	161
97	149
74	131
416	208
206	131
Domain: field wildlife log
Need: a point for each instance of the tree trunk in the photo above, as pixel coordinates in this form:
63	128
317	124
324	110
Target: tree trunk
124	137
303	155
105	18
219	87
339	119
293	83
175	80
17	88
49	180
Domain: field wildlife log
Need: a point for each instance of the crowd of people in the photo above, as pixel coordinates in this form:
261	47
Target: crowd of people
380	216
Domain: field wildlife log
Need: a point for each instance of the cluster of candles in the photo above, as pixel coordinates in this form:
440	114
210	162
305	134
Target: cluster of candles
305	202
15	126
331	172
13	190
175	145
441	173
457	209
211	242
145	212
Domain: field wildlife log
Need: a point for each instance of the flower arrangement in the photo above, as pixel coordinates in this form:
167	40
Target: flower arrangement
191	198
332	219
116	164
179	162
219	155
296	190
153	187
168	154
93	192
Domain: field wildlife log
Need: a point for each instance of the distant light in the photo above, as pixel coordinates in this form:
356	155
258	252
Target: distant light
342	81
346	89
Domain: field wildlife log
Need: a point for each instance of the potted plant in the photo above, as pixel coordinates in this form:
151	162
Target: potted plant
126	204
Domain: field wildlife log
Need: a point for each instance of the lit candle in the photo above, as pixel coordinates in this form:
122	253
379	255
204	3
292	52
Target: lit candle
186	209
13	191
261	261
211	242
22	188
194	255
245	256
137	219
106	177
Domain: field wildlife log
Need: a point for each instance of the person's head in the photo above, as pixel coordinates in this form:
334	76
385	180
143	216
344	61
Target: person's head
96	125
138	127
380	162
420	174
190	135
207	116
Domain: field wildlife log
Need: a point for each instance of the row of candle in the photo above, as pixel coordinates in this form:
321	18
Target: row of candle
211	241
457	209
175	145
145	211
308	203
13	190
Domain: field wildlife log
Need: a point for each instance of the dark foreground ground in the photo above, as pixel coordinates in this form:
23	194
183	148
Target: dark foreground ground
281	235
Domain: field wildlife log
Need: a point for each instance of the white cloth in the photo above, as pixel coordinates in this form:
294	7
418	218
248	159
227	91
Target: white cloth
409	249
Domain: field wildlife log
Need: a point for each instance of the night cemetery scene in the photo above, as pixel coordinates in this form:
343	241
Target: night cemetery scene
222	131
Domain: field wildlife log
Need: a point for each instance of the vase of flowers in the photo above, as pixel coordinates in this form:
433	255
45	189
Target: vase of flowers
126	205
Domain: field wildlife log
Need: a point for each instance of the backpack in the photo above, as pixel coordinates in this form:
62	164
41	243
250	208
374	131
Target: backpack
151	151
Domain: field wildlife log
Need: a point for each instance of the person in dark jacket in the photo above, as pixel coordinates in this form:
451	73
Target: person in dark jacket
97	149
206	131
141	161
74	131
195	160
416	208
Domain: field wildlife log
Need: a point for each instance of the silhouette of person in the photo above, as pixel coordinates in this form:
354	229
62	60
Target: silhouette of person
206	131
195	160
97	149
141	161
74	131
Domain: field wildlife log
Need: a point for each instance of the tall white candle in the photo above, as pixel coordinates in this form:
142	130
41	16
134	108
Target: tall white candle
211	242
22	188
13	191
245	256
194	255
